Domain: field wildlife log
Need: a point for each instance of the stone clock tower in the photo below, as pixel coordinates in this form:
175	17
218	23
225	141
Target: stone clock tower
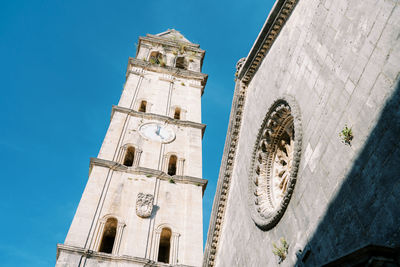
142	205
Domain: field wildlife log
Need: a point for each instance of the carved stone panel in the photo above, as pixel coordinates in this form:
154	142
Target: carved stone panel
275	162
144	205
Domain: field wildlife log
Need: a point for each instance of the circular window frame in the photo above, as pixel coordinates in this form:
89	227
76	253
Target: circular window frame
267	219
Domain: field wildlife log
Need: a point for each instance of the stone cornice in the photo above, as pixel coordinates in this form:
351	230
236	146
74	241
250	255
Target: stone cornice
134	62
276	19
150	173
278	16
153	116
111	257
221	194
169	42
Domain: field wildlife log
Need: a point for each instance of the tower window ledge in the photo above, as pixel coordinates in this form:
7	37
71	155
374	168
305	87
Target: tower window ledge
150	173
153	116
134	62
99	255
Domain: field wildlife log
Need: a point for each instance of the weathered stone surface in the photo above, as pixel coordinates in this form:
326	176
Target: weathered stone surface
144	195
340	61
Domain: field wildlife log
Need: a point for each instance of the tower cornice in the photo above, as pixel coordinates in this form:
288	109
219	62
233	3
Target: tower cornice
148	172
111	257
173	43
134	62
153	116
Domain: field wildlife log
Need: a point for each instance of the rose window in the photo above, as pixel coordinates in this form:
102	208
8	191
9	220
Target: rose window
275	162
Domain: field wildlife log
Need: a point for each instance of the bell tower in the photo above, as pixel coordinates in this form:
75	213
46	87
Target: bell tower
142	205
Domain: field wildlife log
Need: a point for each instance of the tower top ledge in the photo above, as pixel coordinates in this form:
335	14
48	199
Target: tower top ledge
172	38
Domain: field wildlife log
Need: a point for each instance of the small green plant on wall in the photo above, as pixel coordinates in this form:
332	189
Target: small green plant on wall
346	135
153	60
171	181
282	250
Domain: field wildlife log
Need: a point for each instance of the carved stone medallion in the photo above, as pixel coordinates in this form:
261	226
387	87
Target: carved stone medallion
275	162
144	205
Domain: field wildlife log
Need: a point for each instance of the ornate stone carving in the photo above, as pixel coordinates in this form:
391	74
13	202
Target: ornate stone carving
240	62
275	161
285	8
144	205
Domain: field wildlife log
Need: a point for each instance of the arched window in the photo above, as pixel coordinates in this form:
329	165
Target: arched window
142	107
177	113
129	156
172	165
165	245
180	63
156	58
107	241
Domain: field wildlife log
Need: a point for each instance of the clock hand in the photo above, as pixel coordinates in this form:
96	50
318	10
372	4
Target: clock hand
158	130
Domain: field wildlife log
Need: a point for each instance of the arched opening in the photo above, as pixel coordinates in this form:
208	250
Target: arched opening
143	105
165	245
180	63
107	241
172	165
156	58
177	113
129	156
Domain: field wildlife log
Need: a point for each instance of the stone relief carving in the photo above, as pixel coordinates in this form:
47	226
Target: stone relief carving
275	162
240	62
144	205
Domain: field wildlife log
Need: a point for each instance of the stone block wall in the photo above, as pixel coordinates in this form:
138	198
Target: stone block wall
340	60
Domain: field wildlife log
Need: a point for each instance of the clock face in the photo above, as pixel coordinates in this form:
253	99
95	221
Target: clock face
157	132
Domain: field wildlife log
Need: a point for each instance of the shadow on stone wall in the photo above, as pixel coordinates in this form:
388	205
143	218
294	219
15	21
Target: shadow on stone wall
366	209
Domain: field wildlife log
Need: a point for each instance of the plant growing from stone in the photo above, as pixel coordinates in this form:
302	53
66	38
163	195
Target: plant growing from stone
153	60
347	135
171	181
282	250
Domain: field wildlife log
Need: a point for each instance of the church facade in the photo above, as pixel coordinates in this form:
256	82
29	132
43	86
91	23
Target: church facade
311	164
142	205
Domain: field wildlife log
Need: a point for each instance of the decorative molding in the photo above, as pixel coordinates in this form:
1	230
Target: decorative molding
221	195
170	42
273	25
275	162
134	64
163	118
275	21
239	65
144	205
184	179
110	257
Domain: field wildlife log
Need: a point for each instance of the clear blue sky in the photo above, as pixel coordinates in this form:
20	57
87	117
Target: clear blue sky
62	66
